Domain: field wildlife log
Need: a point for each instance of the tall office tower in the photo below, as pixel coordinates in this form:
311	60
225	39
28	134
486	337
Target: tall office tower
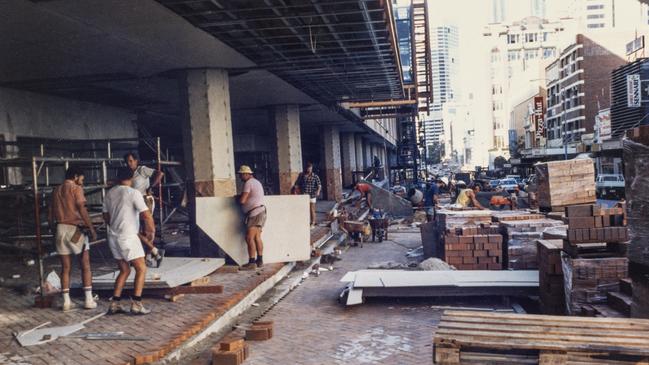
519	54
445	64
598	15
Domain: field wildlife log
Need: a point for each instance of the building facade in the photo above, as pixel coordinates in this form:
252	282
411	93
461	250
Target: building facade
578	88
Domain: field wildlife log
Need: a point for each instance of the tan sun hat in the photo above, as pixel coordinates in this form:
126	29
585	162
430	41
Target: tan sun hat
244	169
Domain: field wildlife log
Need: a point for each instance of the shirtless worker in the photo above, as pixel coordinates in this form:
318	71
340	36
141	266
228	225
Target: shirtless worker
365	190
123	206
252	203
68	211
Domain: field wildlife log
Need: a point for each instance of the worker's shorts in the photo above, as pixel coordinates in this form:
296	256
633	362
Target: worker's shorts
64	240
127	248
258	220
313	200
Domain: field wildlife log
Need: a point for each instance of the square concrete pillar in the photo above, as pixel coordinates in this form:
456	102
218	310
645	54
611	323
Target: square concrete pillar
207	144
207	133
348	158
332	163
360	160
289	145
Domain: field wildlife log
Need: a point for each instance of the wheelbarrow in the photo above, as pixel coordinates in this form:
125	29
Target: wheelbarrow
357	231
379	228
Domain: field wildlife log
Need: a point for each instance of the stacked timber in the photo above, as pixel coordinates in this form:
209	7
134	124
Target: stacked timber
636	176
468	337
563	183
551	292
520	237
469	240
594	258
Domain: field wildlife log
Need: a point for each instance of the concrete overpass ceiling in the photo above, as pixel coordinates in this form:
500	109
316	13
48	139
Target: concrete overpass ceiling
333	50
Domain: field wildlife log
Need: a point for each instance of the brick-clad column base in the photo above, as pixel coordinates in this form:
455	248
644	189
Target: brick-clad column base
334	185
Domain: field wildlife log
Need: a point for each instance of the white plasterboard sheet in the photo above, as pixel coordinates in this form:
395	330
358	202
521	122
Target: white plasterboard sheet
173	272
355	296
402	278
286	234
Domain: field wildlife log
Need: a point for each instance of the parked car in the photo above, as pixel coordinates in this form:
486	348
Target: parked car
508	184
610	186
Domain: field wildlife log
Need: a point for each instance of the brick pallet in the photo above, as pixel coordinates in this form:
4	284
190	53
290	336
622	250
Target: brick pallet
467	337
636	153
563	183
468	240
520	237
551	292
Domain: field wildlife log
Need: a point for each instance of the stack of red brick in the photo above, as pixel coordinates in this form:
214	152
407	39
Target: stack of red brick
474	248
594	258
520	237
551	292
233	349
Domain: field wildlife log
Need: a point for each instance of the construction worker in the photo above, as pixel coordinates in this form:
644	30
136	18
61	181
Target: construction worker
309	183
365	190
431	198
68	211
252	203
141	178
122	207
467	198
141	182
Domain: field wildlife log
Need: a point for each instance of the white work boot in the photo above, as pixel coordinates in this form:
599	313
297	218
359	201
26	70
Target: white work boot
89	304
69	305
138	308
115	307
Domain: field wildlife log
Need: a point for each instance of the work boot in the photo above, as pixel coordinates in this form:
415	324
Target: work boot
248	267
137	308
115	307
259	262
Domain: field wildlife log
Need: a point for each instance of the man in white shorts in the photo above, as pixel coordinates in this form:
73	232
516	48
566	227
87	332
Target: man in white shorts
68	211
309	183
122	207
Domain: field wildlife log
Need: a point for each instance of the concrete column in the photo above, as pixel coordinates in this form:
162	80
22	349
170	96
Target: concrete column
208	146
207	133
289	145
348	158
332	163
360	161
368	154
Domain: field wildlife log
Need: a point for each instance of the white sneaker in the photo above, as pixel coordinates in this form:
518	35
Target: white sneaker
138	308
90	304
68	306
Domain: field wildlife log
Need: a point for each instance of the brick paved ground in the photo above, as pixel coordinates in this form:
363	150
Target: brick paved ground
168	325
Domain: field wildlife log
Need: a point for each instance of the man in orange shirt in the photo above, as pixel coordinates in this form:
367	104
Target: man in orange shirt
68	210
365	190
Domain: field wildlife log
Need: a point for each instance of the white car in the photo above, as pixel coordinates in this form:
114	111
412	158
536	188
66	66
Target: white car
610	185
508	184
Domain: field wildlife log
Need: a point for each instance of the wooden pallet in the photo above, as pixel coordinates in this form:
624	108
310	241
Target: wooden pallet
596	250
467	337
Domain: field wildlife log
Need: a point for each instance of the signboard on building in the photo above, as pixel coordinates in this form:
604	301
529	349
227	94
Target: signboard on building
603	128
635	45
633	91
539	122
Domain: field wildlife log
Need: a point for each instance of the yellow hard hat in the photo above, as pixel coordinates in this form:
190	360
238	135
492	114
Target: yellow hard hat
244	169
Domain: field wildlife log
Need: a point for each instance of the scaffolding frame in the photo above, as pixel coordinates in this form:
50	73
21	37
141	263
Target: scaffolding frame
40	165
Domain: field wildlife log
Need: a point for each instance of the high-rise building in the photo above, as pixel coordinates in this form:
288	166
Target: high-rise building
537	8
445	64
598	15
506	11
519	54
498	9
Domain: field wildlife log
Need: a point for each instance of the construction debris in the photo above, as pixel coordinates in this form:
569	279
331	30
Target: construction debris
39	335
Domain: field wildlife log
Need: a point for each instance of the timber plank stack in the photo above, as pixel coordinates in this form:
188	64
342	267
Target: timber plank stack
520	237
551	292
563	183
636	175
468	337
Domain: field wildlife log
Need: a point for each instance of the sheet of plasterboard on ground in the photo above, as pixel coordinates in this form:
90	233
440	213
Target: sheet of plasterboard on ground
286	234
173	272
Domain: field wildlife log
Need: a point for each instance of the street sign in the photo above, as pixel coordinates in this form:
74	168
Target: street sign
633	91
538	116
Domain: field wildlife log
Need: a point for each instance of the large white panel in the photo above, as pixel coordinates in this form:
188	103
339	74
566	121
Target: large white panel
286	234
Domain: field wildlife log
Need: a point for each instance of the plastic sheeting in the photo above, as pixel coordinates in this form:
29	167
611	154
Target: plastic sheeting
636	174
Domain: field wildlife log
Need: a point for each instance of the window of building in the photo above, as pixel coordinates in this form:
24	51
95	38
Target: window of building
595	7
598	25
531	54
531	37
513	55
595	16
548	52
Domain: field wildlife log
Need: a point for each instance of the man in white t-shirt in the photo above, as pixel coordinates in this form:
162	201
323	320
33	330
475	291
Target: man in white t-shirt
142	176
123	209
252	203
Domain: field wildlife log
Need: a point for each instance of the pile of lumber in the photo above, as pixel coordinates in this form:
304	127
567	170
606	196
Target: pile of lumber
520	237
551	292
468	337
562	183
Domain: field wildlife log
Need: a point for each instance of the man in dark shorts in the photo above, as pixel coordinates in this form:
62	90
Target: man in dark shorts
252	203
